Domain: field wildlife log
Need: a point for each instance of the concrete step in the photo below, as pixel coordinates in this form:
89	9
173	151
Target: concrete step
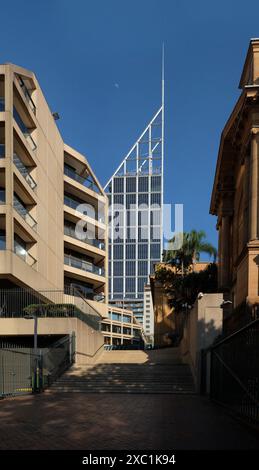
129	372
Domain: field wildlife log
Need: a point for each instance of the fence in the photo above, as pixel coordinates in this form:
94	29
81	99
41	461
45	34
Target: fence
24	303
233	367
24	370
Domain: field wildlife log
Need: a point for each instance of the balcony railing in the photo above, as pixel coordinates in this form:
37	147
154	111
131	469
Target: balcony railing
70	231
24	129
27	95
25	256
78	263
24	214
87	182
2	150
24	172
2	104
70	202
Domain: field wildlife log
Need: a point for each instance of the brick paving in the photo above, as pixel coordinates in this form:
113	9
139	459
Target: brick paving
91	422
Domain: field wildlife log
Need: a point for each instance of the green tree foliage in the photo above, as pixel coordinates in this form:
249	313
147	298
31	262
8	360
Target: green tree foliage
194	243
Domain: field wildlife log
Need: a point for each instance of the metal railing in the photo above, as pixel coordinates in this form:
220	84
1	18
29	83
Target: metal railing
24	213
25	370
234	372
24	129
87	182
24	171
78	263
67	303
70	202
70	231
27	95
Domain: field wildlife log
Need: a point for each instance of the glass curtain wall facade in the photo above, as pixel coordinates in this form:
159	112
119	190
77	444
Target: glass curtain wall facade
135	194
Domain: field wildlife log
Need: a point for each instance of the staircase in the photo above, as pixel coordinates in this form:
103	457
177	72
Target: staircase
154	372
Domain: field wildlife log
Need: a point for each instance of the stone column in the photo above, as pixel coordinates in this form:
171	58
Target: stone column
253	196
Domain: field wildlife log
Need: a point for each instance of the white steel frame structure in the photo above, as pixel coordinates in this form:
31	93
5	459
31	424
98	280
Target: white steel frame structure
135	193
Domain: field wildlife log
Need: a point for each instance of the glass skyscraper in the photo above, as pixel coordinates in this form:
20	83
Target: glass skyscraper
135	193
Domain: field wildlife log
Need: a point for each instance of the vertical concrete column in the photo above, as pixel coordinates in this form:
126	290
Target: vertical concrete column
253	196
225	250
9	156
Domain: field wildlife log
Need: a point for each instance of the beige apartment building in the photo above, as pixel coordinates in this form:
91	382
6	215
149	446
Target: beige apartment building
235	197
49	196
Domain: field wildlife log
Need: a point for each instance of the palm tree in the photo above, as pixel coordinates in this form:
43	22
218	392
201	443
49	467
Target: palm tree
194	243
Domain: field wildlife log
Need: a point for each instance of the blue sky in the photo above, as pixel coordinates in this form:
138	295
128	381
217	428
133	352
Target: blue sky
98	63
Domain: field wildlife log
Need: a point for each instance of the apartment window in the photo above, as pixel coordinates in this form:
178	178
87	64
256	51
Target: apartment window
115	316
126	331
126	319
116	329
2	240
19	246
106	327
2	196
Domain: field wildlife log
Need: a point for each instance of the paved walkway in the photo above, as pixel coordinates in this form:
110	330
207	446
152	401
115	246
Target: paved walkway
79	421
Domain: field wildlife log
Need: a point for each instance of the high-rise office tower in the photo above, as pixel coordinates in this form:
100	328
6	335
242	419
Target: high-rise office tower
135	193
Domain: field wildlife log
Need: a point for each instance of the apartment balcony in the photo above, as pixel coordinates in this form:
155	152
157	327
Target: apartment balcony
84	181
25	256
27	94
69	231
74	203
24	172
24	213
25	131
78	263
